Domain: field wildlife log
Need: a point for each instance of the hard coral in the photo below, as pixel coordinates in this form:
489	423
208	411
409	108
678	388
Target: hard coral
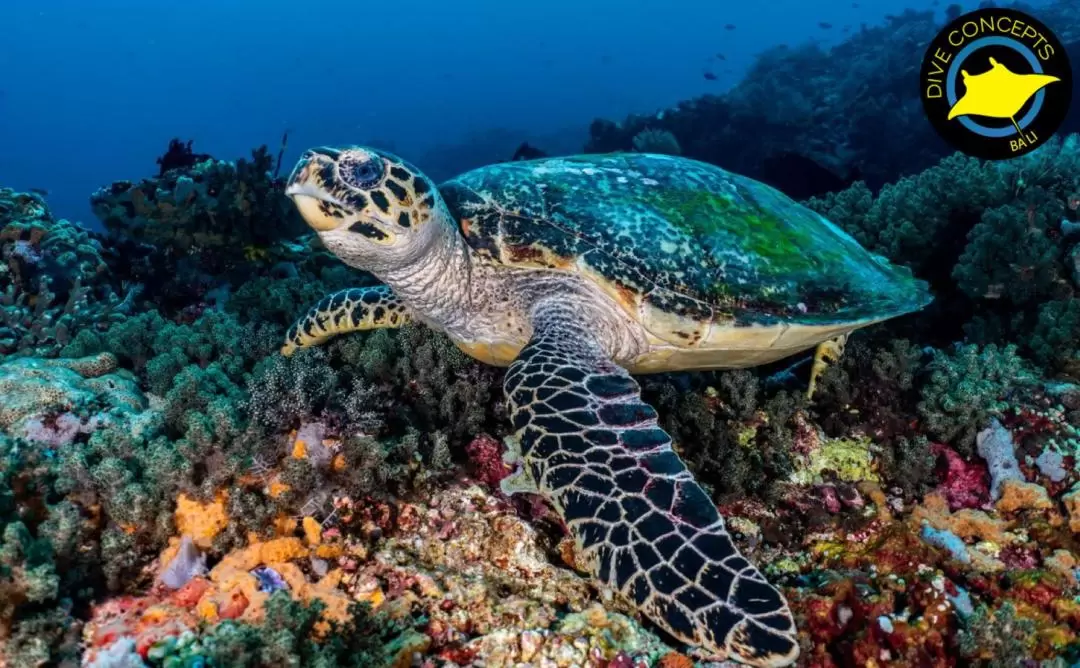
54	280
38	392
209	205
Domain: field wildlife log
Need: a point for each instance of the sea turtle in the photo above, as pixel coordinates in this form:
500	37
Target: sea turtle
576	272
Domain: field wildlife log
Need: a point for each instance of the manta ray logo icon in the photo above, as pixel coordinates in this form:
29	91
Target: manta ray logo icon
996	83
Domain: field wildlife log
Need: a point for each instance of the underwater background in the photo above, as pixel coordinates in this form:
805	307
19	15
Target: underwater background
175	492
452	85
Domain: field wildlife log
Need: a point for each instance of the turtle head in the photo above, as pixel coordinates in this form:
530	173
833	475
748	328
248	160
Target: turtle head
369	207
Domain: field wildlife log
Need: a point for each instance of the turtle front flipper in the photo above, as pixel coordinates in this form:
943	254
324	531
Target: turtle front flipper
640	523
352	310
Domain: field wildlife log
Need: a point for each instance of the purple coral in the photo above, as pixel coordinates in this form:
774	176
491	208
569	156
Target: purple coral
188	563
995	445
61	430
25	251
269	580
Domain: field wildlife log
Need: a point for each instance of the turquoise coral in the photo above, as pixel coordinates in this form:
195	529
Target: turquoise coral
966	387
38	389
54	280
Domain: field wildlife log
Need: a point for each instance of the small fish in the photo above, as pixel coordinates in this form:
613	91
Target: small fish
730	26
39	191
824	26
846	29
721	56
709	76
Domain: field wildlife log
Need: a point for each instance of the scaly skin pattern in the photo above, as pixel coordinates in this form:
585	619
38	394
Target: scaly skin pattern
686	237
351	310
641	524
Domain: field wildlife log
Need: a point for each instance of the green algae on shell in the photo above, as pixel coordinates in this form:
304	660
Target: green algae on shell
687	236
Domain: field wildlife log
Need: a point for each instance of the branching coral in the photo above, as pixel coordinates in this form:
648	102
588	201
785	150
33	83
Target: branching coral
733	434
965	387
656	141
914	221
1010	254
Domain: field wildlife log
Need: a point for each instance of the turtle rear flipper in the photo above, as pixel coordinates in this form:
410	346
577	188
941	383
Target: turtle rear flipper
827	352
640	523
345	311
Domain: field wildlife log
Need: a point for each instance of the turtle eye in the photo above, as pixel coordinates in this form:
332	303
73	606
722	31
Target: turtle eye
364	173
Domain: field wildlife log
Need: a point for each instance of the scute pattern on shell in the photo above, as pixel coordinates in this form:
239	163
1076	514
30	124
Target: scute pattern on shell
689	237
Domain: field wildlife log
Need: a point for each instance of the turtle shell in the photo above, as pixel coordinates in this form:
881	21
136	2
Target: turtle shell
679	236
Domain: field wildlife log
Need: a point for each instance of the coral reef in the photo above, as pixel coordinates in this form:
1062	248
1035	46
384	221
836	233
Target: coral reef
197	201
174	492
54	281
818	117
987	235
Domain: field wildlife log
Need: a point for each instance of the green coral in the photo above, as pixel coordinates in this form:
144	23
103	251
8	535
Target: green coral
49	559
1055	340
986	235
1010	255
158	349
652	140
286	636
848	459
907	219
965	387
281	300
734	436
1001	636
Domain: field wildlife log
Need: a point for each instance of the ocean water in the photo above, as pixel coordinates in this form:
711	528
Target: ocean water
595	334
94	92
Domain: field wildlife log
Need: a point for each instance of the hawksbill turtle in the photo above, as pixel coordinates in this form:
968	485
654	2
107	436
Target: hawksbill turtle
576	272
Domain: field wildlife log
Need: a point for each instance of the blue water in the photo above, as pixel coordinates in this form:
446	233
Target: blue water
92	90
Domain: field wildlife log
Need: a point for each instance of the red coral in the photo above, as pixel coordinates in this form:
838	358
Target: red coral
188	595
234	607
1041	594
485	454
964	484
1026	422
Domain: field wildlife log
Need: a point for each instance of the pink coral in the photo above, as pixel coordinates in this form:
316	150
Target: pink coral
964	484
1018	557
485	453
830	498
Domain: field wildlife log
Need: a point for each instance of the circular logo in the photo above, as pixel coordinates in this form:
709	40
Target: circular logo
996	83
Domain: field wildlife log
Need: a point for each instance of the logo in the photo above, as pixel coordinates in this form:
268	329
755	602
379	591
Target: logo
996	83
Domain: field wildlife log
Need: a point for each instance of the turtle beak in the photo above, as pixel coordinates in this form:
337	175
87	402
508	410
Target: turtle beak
307	187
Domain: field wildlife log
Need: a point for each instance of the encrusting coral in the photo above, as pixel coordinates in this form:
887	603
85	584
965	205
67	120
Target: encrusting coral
54	281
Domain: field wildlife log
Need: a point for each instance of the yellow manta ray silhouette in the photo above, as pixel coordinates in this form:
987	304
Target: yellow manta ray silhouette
998	92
